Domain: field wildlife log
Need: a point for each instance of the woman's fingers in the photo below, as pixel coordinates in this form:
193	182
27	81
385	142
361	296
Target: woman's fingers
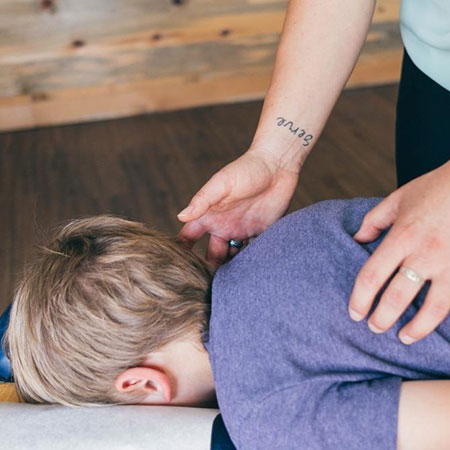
433	311
190	233
218	250
378	268
378	219
395	299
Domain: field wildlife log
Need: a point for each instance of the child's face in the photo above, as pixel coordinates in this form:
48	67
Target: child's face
178	374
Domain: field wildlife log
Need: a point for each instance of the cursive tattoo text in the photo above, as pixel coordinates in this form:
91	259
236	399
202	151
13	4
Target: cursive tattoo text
299	132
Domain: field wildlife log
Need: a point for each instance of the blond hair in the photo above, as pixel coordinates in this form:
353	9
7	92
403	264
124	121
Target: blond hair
101	295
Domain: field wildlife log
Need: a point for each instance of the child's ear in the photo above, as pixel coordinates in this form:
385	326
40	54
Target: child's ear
152	382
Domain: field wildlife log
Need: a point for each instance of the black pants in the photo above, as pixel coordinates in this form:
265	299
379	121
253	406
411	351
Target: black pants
423	124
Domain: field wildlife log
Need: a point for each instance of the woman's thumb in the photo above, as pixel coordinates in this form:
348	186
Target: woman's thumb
210	194
378	219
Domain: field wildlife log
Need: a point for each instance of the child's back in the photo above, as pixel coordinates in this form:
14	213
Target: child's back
291	369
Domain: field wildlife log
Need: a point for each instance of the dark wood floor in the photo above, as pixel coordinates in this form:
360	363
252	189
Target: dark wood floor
148	167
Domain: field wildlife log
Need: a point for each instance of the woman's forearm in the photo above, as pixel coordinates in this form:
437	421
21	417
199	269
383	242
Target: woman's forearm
424	415
319	45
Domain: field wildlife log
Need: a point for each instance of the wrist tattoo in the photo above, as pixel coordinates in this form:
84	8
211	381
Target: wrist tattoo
299	132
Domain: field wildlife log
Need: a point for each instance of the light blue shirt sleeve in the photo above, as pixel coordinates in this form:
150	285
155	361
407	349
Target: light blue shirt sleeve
425	29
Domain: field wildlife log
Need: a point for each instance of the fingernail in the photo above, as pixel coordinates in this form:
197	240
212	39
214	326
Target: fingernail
356	316
374	329
186	211
407	340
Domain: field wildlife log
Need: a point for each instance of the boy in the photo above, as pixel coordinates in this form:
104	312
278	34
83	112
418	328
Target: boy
112	312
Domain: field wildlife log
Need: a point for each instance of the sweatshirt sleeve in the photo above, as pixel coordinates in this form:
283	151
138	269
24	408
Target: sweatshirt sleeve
320	414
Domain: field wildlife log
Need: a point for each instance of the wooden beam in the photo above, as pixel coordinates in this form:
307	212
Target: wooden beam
81	60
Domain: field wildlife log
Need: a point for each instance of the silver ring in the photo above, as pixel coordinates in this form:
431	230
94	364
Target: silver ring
411	274
236	244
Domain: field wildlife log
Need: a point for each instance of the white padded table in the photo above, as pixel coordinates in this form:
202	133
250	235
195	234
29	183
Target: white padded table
125	427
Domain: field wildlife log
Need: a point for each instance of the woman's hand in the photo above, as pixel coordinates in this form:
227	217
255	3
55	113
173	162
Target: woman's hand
238	202
419	239
317	52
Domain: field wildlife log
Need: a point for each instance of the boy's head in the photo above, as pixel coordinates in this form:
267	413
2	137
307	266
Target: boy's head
96	310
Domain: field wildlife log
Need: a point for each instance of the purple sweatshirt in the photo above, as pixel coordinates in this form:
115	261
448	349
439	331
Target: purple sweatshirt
291	369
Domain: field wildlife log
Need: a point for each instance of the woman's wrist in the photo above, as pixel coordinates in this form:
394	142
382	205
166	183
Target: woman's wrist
284	145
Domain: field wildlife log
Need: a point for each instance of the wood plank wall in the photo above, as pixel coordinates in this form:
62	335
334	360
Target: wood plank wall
65	61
